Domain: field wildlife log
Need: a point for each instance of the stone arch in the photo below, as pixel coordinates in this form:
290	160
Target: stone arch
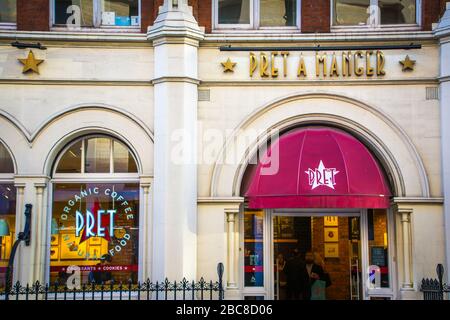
60	129
13	136
386	139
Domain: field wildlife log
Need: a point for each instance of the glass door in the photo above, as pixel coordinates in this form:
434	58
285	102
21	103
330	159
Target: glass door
317	257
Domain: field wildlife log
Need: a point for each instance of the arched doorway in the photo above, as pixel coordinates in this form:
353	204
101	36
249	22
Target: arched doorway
94	229
317	221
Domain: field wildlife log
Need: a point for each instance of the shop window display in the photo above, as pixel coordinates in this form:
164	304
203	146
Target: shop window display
95	225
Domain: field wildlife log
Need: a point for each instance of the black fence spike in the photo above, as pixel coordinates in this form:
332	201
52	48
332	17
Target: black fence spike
118	290
434	289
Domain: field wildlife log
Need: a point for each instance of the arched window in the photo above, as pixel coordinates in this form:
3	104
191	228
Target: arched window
7	210
6	163
95	213
96	155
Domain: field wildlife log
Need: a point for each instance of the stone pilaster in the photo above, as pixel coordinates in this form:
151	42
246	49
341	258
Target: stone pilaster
443	33
175	36
31	261
232	248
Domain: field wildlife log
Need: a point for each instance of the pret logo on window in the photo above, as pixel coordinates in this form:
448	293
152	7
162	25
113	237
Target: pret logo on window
98	222
95	227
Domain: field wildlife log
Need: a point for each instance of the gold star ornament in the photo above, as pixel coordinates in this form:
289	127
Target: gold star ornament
408	64
30	63
228	66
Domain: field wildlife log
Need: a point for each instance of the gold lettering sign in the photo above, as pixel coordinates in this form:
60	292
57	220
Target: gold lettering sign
301	71
333	65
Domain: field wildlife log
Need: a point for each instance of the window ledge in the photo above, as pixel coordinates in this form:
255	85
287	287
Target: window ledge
347	35
383	29
88	30
8	26
266	30
72	35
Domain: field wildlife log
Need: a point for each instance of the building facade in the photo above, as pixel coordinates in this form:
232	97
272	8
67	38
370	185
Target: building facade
158	138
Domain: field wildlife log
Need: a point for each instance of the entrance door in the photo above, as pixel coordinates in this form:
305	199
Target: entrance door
317	257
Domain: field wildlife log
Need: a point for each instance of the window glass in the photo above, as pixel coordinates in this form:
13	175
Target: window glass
378	248
351	12
120	12
97	155
6	164
8	11
328	245
234	11
278	13
7	227
71	160
66	11
95	227
123	159
398	11
253	248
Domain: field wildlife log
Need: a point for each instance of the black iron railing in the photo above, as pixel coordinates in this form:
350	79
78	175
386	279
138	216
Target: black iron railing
148	290
434	289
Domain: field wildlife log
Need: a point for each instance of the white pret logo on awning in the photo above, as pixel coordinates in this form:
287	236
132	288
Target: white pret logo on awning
322	176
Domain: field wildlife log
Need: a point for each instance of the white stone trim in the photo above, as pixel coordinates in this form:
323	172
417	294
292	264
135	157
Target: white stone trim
418	200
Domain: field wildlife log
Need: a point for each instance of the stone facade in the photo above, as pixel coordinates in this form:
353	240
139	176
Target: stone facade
141	87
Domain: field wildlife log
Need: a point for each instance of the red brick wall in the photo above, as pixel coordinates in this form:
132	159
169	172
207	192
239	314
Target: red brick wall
201	9
203	13
33	15
194	5
431	12
147	14
156	5
315	16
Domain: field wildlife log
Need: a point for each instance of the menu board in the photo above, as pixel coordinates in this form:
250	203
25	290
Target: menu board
378	256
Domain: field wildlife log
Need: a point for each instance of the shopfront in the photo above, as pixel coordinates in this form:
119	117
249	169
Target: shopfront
352	247
329	198
156	143
95	213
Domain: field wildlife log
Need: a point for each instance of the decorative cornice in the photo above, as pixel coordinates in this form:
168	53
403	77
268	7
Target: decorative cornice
39	181
77	82
175	32
417	200
78	36
381	36
175	79
369	82
444	79
220	200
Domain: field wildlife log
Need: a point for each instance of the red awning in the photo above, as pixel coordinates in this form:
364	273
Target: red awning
318	167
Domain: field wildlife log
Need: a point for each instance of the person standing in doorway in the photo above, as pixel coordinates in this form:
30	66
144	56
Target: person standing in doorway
281	276
295	278
313	271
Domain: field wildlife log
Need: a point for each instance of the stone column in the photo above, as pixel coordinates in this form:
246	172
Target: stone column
175	36
443	33
405	219
146	231
232	249
41	231
31	261
20	224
